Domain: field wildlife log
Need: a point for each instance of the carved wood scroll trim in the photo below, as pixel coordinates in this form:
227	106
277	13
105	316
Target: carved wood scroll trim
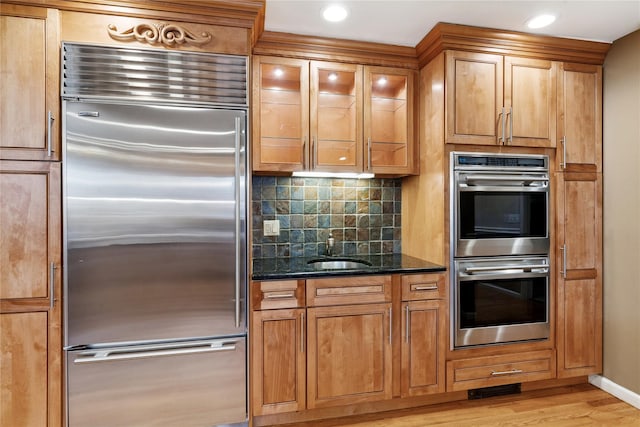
166	34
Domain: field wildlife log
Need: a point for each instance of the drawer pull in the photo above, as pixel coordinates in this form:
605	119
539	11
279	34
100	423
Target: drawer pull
425	288
350	290
502	373
279	296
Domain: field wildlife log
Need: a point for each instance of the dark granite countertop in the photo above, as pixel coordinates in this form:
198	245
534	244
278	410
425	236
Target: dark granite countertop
298	268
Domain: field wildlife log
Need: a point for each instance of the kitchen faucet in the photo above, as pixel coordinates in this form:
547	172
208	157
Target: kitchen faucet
329	245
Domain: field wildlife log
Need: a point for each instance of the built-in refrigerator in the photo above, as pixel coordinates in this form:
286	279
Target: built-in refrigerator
155	259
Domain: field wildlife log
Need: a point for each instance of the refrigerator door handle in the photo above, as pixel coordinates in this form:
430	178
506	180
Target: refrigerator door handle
109	355
238	219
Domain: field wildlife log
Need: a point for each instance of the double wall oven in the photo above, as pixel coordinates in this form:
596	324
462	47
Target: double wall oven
499	248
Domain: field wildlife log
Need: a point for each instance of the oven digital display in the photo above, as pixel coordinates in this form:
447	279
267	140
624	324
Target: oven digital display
502	161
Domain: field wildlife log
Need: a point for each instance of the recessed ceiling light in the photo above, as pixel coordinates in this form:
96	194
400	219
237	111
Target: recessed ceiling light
382	81
333	77
278	72
335	13
541	21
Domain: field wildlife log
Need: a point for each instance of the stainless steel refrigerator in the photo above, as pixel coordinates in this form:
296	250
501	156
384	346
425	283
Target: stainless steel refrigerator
155	264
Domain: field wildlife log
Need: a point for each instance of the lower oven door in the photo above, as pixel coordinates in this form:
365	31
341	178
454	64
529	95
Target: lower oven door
501	300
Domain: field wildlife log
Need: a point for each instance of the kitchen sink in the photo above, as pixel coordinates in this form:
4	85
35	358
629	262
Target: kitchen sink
338	264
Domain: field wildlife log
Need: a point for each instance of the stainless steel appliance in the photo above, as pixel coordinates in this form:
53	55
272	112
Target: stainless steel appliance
155	237
500	204
499	248
500	300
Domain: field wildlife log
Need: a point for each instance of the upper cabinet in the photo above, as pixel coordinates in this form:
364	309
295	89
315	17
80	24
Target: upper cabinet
331	117
500	100
280	114
336	117
388	120
29	82
580	117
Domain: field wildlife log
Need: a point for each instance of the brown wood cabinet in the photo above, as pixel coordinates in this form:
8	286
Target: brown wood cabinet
580	118
478	372
278	361
423	334
579	278
311	116
349	354
500	100
278	347
29	82
30	294
389	120
336	351
349	340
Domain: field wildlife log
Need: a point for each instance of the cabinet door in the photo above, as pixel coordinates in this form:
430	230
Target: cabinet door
580	118
280	114
579	323
29	83
424	343
530	100
30	290
278	361
474	99
336	117
389	121
349	358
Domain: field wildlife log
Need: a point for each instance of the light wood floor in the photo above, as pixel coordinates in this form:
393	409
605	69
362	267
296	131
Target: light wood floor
577	405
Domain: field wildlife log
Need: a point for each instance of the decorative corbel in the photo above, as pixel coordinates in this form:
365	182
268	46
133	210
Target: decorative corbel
166	34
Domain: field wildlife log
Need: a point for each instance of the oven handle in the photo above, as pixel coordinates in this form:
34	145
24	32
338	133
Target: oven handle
506	178
471	270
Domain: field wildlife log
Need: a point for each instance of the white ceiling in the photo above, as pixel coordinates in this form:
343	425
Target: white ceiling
405	23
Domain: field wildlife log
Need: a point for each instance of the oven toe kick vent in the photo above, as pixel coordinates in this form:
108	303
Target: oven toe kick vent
500	390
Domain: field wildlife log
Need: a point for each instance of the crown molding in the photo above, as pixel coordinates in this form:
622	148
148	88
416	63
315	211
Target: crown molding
337	50
230	13
475	39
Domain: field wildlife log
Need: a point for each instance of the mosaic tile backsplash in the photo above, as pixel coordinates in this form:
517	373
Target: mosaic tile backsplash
362	214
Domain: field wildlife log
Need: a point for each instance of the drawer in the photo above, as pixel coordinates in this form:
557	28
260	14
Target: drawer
465	374
276	294
348	290
423	286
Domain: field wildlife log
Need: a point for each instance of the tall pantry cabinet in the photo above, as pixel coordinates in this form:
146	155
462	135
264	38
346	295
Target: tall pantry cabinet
579	220
30	235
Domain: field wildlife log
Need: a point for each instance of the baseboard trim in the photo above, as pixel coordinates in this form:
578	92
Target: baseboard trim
617	390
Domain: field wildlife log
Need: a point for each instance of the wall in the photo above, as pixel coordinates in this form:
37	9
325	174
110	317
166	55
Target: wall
621	122
362	214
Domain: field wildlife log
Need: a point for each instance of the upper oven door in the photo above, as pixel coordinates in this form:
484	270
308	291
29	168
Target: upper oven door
501	213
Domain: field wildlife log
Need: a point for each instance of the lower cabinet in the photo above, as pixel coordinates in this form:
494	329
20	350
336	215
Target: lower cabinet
329	342
423	347
278	361
349	354
30	292
479	372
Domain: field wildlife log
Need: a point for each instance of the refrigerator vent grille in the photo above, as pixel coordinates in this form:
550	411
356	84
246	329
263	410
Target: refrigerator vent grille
91	71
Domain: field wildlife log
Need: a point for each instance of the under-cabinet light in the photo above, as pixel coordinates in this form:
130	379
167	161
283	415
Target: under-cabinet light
312	174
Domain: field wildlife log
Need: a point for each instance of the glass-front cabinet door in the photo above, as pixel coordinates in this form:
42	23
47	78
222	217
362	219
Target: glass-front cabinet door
336	117
388	120
281	118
